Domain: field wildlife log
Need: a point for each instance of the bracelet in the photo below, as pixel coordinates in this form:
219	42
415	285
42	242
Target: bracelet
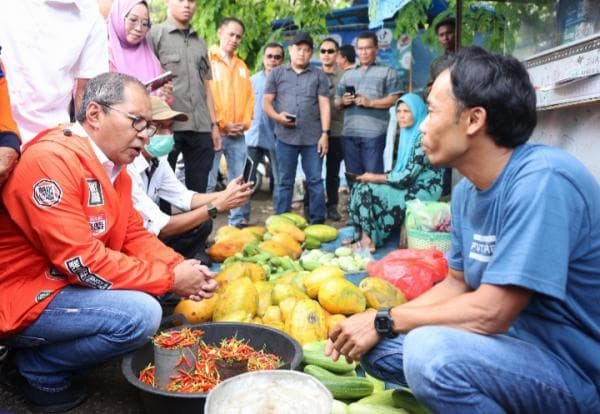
325	131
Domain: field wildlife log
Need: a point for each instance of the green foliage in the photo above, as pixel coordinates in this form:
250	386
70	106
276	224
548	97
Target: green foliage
499	22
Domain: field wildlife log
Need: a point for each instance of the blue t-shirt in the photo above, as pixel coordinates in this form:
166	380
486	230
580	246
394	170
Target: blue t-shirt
260	134
538	227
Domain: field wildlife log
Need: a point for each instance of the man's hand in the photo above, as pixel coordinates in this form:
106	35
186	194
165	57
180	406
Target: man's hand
372	178
235	195
353	337
347	99
216	138
234	129
193	280
323	145
363	101
283	120
166	92
8	160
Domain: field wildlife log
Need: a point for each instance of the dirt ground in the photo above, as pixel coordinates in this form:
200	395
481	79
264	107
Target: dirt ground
110	393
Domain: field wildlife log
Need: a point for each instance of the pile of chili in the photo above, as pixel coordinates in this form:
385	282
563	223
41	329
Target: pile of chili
177	339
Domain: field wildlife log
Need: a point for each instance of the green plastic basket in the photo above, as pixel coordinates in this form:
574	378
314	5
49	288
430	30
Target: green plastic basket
419	239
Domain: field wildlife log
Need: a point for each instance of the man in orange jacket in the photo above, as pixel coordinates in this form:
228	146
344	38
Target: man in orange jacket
234	105
77	268
10	142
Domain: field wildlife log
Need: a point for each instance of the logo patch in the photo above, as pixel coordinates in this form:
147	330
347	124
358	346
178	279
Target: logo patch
42	295
79	269
97	224
482	247
46	193
95	197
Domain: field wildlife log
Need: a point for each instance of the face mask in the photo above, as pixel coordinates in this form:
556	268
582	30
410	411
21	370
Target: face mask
160	145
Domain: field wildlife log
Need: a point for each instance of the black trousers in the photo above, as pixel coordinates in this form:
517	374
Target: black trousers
198	154
192	243
335	155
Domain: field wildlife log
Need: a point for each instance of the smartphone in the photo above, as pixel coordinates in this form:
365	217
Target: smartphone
291	117
350	176
248	170
351	90
160	80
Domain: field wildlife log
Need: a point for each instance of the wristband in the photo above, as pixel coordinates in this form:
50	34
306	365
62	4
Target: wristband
325	131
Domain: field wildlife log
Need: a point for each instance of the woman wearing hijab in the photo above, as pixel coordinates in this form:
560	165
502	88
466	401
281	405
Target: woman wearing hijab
378	202
129	51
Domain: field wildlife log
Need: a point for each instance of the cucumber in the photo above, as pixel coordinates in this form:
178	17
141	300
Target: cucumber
315	346
379	398
360	408
377	383
341	366
404	398
341	387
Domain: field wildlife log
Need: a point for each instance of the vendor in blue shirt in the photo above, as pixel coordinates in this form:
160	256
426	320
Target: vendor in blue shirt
515	326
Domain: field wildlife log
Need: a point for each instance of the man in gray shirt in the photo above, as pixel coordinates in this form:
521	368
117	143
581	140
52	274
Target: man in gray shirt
181	51
297	98
365	93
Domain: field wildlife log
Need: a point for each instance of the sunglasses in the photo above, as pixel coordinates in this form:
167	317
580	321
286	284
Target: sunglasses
328	51
276	57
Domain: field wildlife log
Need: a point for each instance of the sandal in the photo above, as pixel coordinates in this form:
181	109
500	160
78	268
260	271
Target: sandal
359	246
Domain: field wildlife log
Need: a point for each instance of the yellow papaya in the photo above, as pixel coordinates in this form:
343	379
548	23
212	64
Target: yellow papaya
286	278
257	231
238	295
298	280
313	281
237	316
257	320
338	295
306	323
271	220
294	248
286	306
272	314
288	228
321	232
197	311
231	272
225	232
255	272
282	290
295	218
333	321
274	248
218	252
263	288
381	293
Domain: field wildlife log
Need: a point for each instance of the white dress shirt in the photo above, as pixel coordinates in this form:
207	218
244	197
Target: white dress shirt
46	46
147	192
111	169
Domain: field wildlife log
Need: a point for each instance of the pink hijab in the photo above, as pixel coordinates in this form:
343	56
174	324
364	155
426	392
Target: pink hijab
138	60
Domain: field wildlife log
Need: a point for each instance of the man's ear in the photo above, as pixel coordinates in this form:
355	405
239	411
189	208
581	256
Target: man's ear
94	114
476	120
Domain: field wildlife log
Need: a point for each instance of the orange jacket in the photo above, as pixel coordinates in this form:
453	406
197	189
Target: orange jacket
231	90
7	123
66	223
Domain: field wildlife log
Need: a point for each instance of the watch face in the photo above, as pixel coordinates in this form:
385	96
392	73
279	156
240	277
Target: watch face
383	324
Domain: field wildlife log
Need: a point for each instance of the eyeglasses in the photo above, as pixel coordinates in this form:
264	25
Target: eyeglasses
328	51
135	22
137	122
276	57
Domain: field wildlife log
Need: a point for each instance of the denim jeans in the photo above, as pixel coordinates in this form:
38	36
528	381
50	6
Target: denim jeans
256	153
363	154
234	149
287	159
454	371
80	329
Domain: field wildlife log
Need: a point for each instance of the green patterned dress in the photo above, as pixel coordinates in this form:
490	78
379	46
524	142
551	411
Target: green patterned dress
379	209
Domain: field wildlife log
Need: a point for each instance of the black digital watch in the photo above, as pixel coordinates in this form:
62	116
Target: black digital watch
384	324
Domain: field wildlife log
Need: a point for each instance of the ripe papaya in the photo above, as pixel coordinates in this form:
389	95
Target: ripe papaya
197	311
313	281
220	251
282	290
273	247
338	295
255	271
333	321
294	248
381	293
263	288
231	272
238	295
272	314
285	226
287	306
237	316
306	323
226	232
257	231
295	218
321	232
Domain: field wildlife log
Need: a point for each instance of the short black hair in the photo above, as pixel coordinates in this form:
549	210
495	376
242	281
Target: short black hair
368	35
332	40
448	21
274	44
501	85
232	19
348	52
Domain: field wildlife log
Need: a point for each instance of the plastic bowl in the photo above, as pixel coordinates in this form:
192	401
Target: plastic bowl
272	391
156	401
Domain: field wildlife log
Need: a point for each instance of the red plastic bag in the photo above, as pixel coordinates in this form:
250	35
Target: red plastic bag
413	271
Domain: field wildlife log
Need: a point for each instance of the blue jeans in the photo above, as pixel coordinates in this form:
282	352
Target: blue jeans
234	149
287	159
80	329
454	371
256	153
363	154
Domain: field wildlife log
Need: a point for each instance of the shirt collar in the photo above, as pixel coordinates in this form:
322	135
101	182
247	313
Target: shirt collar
171	26
140	164
111	169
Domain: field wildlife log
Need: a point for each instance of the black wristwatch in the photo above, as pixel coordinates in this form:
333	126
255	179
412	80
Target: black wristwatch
325	131
212	210
384	324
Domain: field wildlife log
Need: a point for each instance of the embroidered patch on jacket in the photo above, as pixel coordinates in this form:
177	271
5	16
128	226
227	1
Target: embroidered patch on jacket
97	224
42	295
55	274
79	269
95	197
46	193
482	247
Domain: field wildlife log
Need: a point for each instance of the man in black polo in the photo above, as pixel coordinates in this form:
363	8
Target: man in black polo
297	98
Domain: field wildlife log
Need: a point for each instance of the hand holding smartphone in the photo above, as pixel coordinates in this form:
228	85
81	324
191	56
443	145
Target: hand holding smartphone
159	81
248	170
291	117
351	90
